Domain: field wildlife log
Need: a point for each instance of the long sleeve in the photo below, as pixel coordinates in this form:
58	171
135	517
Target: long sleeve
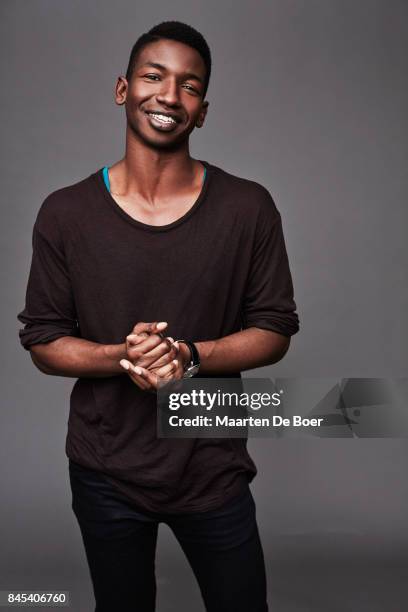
49	311
269	301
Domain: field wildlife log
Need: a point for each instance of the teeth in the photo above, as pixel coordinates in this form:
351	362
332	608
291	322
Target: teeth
162	118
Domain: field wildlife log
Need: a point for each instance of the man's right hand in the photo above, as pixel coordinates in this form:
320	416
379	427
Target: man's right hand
146	345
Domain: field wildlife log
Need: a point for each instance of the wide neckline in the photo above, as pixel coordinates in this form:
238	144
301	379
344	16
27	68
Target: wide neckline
155	228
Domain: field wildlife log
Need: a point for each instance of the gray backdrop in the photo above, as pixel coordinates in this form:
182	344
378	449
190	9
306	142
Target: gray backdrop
310	99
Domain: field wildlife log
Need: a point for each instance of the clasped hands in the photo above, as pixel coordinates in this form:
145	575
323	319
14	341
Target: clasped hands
152	358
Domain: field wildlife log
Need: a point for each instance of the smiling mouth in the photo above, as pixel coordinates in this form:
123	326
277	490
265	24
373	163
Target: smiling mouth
162	118
162	121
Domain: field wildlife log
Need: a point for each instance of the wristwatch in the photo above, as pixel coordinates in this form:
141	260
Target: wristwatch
193	365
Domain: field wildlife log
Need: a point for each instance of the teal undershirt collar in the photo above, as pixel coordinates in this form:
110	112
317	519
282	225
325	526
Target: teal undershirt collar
106	177
107	183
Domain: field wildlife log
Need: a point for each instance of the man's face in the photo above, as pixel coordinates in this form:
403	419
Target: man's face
163	99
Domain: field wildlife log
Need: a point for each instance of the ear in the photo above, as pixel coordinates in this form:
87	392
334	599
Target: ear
203	114
121	90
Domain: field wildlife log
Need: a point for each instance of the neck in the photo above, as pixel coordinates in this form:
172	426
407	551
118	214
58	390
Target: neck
153	174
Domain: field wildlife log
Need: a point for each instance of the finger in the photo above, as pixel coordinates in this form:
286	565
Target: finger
167	357
159	327
163	351
139	380
149	328
150	377
138	357
134	375
163	347
164	360
149	344
167	370
135	339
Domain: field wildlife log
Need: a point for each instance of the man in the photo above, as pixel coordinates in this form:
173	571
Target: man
159	241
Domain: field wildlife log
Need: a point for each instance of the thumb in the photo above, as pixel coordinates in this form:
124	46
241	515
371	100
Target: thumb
150	328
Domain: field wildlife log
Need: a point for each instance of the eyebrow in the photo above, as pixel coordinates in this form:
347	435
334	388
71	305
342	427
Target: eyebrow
188	75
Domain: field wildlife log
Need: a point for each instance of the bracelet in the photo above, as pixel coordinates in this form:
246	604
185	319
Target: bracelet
190	361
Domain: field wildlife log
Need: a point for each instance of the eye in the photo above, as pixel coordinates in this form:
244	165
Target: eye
153	77
190	88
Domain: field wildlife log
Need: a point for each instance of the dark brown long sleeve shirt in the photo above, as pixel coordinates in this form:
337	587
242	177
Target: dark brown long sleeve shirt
96	272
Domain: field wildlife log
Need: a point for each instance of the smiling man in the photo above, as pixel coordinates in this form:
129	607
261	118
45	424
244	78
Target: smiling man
178	242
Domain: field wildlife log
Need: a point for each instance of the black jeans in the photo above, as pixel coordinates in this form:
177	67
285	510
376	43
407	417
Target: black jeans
222	547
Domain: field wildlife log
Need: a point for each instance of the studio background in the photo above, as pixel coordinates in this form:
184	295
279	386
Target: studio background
310	99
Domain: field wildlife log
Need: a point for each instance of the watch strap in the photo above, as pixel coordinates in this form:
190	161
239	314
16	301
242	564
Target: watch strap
194	356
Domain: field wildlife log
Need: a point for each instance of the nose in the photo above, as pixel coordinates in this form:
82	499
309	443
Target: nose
168	94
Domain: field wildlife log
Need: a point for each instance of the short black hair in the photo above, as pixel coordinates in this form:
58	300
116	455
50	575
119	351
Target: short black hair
173	30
